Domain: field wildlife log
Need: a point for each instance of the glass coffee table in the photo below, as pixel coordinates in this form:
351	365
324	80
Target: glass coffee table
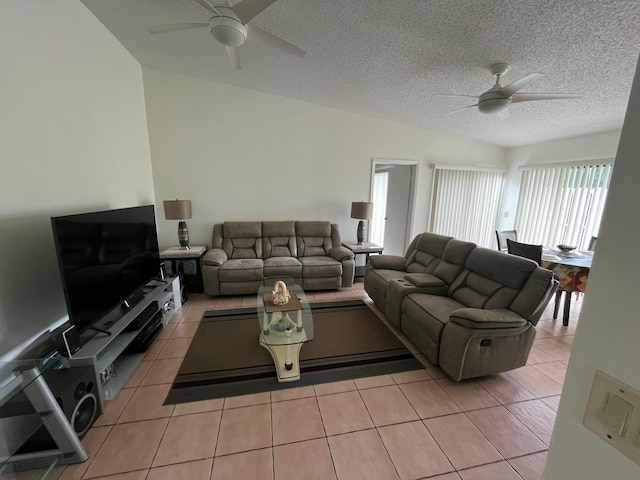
284	328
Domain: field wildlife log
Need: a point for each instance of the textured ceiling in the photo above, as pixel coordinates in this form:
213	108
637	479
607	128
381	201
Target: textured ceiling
387	58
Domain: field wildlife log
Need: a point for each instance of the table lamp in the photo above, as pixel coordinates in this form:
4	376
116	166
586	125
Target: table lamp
179	210
361	211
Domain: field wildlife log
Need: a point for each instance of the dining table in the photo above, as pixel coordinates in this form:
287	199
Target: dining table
572	270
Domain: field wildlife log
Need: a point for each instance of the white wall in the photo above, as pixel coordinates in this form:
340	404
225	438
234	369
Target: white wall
608	332
74	138
586	147
239	154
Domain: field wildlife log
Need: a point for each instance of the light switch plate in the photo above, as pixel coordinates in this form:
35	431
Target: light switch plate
613	413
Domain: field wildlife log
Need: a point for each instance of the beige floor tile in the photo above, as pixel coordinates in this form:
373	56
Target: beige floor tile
343	412
537	416
146	404
553	402
192	316
296	420
254	465
188	437
428	399
92	442
388	405
530	467
468	394
247	400
197	470
243	429
309	460
494	471
118	455
185	330
135	379
198	407
175	348
372	382
555	370
505	432
413	451
162	371
463	444
361	455
292	393
155	349
535	381
138	475
504	388
538	356
411	376
167	331
200	301
334	387
114	408
447	476
225	303
555	347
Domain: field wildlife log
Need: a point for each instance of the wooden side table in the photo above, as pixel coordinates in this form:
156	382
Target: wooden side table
193	280
367	248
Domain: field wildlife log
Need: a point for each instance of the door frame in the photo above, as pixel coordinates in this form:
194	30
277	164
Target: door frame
412	188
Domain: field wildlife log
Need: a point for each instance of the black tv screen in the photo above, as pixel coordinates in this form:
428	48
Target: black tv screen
104	257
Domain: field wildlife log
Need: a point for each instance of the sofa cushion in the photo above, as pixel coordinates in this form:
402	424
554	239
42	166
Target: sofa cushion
242	239
279	239
425	280
320	267
313	238
282	266
428	253
483	318
454	257
241	270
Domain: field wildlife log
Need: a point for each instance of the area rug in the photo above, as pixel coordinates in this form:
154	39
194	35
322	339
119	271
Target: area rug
225	359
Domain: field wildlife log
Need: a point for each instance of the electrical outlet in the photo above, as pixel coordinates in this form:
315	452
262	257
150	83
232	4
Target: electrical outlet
613	413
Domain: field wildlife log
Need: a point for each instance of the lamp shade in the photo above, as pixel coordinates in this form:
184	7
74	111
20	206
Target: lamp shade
361	210
177	209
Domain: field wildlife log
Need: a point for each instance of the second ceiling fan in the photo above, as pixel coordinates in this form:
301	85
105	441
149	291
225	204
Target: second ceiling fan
230	26
498	98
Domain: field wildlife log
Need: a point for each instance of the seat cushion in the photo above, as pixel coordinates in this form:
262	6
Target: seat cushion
320	267
282	266
241	270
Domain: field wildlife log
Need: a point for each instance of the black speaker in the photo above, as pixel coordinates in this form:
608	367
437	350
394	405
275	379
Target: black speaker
75	391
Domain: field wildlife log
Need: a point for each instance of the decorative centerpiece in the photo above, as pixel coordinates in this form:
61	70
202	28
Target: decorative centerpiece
280	294
282	324
565	249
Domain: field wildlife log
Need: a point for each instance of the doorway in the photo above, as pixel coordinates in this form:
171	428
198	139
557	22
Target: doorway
393	185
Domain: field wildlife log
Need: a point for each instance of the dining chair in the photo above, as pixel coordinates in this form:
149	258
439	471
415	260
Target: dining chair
526	250
502	236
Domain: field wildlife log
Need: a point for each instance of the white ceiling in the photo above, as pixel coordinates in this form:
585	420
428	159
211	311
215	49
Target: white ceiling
387	58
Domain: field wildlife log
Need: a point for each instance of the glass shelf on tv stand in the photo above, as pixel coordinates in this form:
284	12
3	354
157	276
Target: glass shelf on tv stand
26	404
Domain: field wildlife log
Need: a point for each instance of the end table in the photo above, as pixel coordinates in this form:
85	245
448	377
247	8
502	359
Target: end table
193	280
367	248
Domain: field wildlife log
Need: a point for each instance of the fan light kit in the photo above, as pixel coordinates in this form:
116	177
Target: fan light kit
230	26
497	99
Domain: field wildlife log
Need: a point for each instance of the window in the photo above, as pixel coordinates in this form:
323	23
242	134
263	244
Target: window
465	203
562	204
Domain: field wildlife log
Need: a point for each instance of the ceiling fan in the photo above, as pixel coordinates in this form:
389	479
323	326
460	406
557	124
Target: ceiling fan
230	26
497	99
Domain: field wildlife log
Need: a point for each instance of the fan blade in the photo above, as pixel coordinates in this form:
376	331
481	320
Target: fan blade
175	27
207	5
256	34
234	56
459	110
453	95
512	88
246	10
529	97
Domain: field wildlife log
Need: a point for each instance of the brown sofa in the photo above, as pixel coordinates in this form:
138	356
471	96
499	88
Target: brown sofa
243	254
469	309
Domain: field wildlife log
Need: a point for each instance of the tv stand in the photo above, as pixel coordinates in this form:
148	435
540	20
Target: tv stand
106	353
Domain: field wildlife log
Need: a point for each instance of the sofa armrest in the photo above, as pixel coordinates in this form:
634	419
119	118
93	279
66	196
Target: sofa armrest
341	253
388	262
483	318
214	257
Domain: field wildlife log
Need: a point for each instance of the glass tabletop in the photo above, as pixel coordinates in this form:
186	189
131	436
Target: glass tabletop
285	323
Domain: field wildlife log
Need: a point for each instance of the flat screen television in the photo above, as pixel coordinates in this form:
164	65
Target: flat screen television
104	258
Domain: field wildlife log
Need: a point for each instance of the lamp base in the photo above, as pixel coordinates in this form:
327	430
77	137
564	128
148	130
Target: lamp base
183	235
361	232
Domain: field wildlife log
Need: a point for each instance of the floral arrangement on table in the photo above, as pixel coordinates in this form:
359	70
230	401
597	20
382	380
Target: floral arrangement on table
280	294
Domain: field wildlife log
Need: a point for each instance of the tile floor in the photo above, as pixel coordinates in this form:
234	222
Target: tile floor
411	425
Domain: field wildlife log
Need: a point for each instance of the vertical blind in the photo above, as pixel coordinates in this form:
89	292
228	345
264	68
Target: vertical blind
379	199
562	204
465	203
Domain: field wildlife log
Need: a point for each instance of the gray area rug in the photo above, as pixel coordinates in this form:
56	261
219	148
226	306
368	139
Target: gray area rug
225	359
